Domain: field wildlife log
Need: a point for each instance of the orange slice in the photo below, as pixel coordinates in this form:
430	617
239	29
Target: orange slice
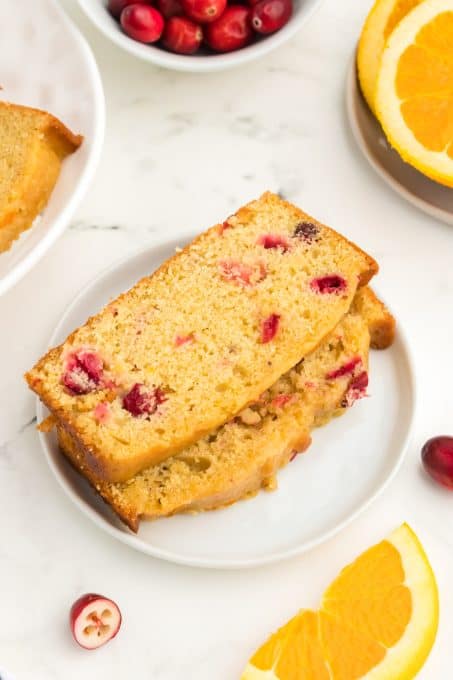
414	92
382	19
378	620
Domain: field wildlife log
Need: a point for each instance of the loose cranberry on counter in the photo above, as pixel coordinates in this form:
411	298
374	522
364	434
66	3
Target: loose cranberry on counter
142	22
204	11
230	31
437	458
269	16
94	620
182	35
115	7
170	8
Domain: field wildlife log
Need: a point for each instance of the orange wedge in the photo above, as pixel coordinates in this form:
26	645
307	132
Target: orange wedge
414	91
378	620
384	16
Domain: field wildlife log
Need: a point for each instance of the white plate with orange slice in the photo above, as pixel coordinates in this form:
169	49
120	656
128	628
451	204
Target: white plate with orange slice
349	463
402	121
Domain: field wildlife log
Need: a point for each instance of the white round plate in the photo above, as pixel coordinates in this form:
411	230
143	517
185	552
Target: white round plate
47	64
431	197
202	61
348	464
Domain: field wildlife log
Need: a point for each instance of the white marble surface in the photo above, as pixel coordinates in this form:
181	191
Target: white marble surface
180	152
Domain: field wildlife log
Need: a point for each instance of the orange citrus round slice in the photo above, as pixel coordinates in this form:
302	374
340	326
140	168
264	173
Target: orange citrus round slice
414	92
378	620
382	19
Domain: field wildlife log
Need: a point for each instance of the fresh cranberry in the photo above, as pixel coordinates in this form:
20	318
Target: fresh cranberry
204	11
269	16
83	372
269	328
306	231
115	7
241	273
329	284
356	390
269	241
230	31
170	8
94	620
437	458
142	400
182	35
184	339
346	369
142	22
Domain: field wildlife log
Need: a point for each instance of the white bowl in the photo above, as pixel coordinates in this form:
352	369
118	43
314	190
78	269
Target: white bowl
200	63
47	64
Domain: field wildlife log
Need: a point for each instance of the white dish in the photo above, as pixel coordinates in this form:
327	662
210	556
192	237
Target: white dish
349	463
207	63
434	199
47	64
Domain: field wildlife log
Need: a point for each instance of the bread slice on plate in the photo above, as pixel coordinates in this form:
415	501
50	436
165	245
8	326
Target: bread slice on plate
237	459
191	345
33	144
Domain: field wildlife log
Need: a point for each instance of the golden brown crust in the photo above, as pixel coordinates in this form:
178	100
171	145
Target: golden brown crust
381	323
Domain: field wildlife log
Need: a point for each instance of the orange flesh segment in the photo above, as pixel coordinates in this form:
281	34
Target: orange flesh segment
401	8
424	82
349	653
294	651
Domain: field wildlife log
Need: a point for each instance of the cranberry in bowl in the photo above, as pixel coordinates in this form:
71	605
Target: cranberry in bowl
206	36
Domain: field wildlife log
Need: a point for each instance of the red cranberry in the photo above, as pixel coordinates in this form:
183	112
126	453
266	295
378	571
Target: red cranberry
329	284
269	16
115	7
142	400
346	369
356	390
241	273
170	8
230	31
182	35
223	227
204	11
269	328
184	339
84	372
142	22
437	458
306	231
274	241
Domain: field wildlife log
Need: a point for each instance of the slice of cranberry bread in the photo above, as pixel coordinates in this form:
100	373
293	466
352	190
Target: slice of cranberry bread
33	145
188	347
239	458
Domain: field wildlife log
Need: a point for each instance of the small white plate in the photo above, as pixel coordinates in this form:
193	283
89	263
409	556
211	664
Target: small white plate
349	463
202	62
47	64
431	197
